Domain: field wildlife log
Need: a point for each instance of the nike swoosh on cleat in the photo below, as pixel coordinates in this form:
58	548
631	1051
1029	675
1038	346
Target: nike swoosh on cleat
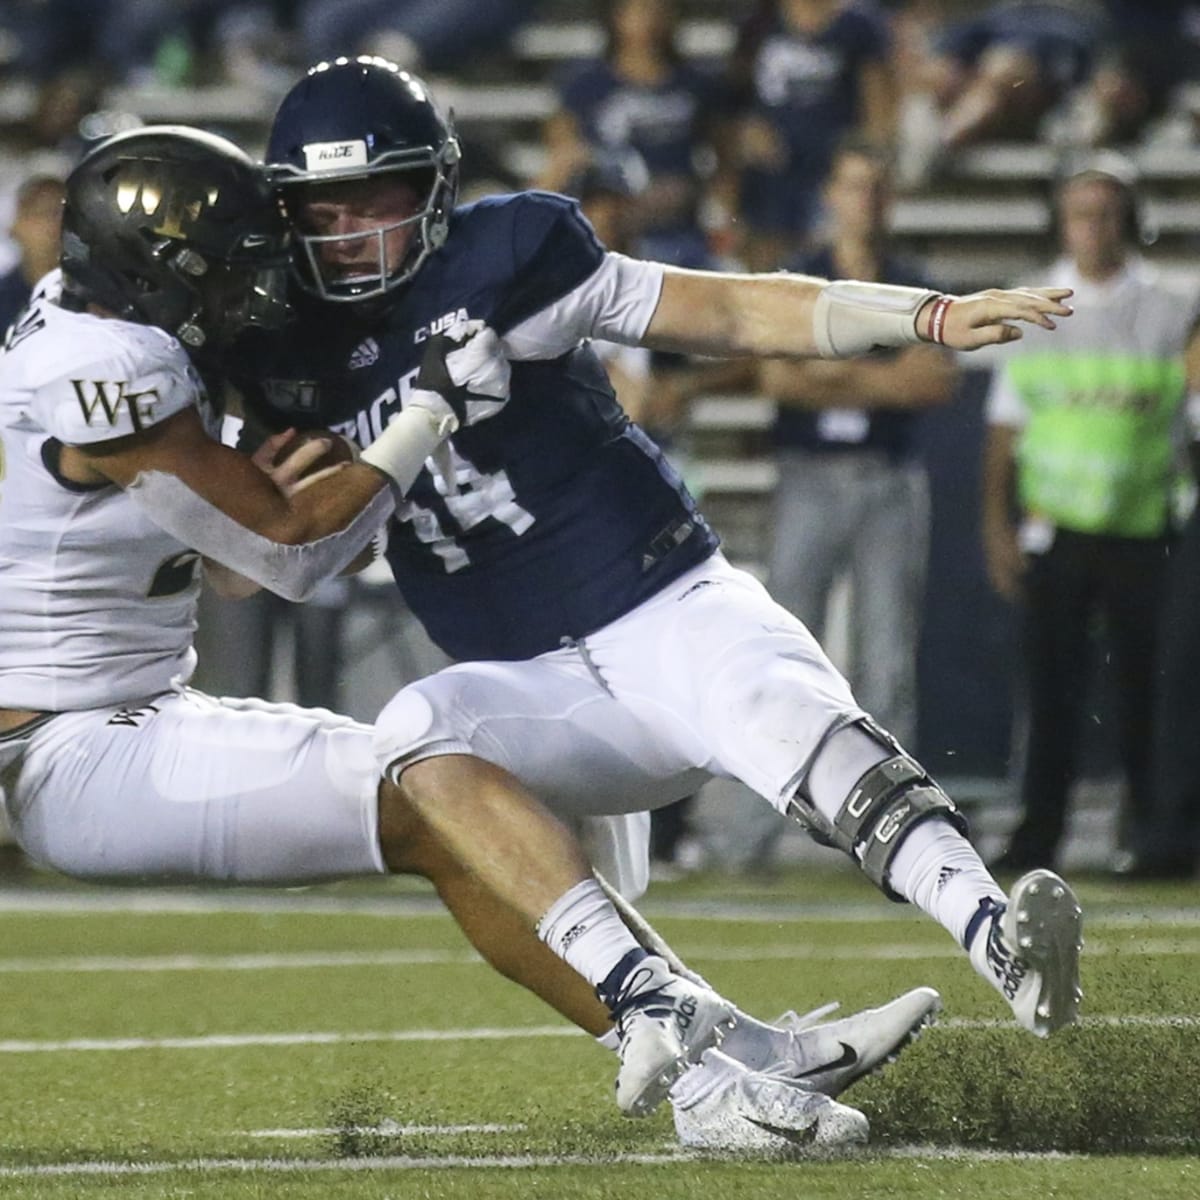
798	1137
848	1059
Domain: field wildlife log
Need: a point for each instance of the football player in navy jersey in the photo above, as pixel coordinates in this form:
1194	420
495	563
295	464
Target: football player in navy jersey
609	658
113	767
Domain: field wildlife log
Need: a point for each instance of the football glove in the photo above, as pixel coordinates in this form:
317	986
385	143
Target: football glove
465	367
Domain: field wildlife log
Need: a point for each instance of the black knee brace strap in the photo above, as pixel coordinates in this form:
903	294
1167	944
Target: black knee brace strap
883	807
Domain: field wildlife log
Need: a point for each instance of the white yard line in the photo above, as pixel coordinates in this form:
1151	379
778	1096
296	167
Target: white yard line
152	902
294	1166
324	959
282	961
384	1129
238	1041
299	902
454	1162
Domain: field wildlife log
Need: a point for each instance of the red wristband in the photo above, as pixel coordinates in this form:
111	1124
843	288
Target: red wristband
937	319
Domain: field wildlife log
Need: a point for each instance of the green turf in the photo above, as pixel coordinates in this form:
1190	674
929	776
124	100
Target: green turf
1118	1106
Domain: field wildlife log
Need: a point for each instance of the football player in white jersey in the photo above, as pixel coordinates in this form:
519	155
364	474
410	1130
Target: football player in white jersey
115	494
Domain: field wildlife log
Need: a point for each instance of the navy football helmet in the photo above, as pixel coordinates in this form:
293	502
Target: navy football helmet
171	226
361	118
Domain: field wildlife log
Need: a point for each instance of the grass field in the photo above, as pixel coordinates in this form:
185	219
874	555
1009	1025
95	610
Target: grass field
343	1042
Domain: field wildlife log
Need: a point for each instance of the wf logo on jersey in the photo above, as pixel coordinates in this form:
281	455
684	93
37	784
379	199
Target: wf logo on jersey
109	399
444	322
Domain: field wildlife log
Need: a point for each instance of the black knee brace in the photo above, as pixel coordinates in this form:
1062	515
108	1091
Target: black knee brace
883	807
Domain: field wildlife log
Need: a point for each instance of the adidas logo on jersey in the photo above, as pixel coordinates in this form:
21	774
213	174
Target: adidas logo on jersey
364	354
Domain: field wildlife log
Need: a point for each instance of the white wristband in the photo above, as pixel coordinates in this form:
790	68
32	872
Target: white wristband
411	437
851	317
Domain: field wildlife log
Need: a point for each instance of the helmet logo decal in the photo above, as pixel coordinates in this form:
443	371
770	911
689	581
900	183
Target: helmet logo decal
174	208
335	156
130	191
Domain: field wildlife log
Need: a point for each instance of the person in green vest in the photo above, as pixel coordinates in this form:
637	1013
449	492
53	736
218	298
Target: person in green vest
1080	471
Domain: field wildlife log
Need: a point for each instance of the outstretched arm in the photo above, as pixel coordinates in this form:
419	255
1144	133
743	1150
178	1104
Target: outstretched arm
790	316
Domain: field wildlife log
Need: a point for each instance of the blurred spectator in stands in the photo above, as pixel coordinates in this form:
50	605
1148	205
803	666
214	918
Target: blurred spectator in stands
640	101
852	499
52	133
46	37
994	75
1150	50
425	35
805	74
36	230
132	41
201	43
1078	477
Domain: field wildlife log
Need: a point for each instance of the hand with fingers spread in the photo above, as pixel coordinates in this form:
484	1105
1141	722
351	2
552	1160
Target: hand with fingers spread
987	318
294	461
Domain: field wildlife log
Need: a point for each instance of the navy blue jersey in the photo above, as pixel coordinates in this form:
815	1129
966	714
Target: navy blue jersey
664	122
807	85
567	514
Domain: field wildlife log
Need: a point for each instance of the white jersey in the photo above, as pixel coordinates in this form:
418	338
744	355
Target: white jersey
97	604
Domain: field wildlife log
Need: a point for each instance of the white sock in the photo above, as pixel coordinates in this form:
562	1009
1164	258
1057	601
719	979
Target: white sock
583	928
942	874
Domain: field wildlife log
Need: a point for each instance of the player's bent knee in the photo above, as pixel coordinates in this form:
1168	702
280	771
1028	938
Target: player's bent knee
405	839
883	807
408	729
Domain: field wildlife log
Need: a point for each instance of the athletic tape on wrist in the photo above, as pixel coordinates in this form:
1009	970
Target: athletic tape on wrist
411	437
852	317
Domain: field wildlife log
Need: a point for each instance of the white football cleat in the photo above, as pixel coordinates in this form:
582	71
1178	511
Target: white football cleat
664	1022
724	1106
1030	948
829	1056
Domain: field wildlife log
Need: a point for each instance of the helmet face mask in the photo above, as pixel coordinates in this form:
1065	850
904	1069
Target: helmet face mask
177	228
363	121
379	252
